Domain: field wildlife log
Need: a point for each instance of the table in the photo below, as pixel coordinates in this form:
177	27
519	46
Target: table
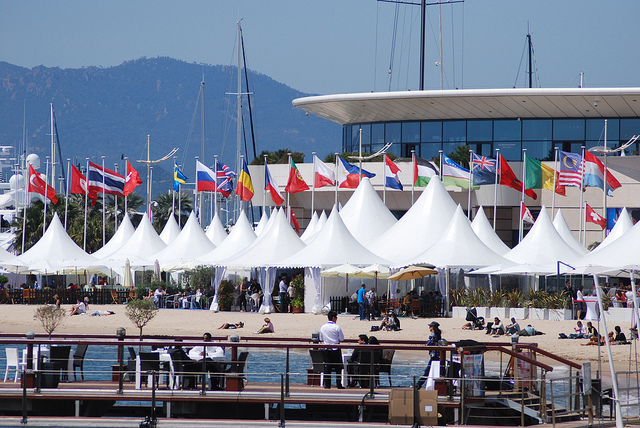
164	357
592	308
45	353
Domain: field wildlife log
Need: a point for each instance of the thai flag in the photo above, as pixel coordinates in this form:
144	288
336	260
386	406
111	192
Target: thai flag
271	185
104	180
391	174
224	176
594	174
349	175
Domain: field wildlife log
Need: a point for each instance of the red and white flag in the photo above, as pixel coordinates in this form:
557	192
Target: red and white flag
78	181
294	221
526	215
38	185
132	180
594	217
324	174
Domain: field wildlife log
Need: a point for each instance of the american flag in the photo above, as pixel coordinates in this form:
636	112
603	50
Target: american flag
571	169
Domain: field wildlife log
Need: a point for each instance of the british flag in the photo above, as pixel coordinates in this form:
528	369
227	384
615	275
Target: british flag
224	176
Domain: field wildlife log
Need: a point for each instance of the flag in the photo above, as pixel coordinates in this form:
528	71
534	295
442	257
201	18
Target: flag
453	174
244	188
324	174
526	214
113	182
594	174
38	185
78	181
224	179
205	178
594	217
178	177
540	176
133	179
271	185
423	170
391	174
295	183
349	174
294	221
571	168
483	170
508	178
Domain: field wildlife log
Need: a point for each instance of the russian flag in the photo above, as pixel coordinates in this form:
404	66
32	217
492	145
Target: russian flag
349	175
594	174
205	178
271	185
391	174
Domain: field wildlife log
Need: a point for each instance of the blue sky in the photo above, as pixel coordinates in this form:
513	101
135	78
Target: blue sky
336	46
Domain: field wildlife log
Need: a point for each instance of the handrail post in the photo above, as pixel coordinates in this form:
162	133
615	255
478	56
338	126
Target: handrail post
287	371
543	397
553	405
281	424
203	386
153	398
24	397
416	405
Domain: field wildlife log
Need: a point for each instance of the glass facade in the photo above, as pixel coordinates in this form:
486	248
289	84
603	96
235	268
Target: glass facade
538	136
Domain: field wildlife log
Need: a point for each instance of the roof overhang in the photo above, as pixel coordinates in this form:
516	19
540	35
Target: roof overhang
474	104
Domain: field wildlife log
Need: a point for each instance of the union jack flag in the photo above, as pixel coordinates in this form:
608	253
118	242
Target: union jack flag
224	174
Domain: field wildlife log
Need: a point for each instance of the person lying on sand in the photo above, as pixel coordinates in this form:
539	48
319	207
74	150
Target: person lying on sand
228	326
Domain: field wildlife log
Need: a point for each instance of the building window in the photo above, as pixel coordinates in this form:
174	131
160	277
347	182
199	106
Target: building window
568	129
537	130
541	150
595	130
377	134
479	130
392	132
429	151
454	131
431	132
511	150
411	132
506	130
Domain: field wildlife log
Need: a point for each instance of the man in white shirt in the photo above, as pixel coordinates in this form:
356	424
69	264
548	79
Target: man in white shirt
331	334
282	290
211	355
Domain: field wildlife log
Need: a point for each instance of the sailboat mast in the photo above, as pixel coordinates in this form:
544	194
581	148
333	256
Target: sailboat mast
53	151
202	110
239	115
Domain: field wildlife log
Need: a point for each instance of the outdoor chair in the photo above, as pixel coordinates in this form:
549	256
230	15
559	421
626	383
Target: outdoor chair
115	300
236	370
59	357
12	363
368	367
149	361
184	369
78	360
317	363
385	364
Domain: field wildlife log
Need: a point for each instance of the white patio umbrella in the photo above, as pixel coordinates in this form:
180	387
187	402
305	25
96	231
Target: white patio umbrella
342	270
127	280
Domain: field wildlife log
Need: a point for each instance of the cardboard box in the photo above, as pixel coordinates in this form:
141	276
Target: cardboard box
401	407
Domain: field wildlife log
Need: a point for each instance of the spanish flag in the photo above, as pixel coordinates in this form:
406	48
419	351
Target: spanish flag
244	189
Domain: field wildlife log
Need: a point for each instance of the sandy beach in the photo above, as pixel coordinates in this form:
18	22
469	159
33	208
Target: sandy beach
20	319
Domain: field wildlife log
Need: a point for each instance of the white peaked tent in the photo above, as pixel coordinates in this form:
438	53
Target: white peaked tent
264	219
10	262
563	229
365	215
123	234
311	227
170	231
543	245
215	232
139	249
322	220
332	246
56	252
624	251
240	237
191	243
485	232
622	226
458	247
420	227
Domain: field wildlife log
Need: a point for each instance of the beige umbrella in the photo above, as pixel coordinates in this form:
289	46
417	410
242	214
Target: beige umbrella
342	270
412	272
127	281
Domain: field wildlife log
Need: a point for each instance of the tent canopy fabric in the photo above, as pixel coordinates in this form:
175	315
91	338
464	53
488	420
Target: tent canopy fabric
240	237
171	230
333	245
543	245
139	249
191	243
622	226
365	215
419	228
624	251
485	232
310	229
322	220
123	234
215	232
264	219
458	246
563	229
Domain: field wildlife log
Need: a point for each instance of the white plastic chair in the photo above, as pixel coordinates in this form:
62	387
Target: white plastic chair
12	361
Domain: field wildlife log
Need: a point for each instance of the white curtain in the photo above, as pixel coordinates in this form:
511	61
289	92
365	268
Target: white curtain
267	278
217	279
313	295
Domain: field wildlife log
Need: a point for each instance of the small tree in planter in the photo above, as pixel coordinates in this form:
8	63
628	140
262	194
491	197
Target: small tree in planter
297	302
50	317
225	295
140	312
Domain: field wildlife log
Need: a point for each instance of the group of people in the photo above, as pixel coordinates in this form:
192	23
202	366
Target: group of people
249	295
367	303
589	331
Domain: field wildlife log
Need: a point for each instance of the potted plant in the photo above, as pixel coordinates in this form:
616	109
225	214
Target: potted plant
297	301
225	295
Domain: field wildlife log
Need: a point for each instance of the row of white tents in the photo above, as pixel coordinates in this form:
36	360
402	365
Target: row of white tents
364	232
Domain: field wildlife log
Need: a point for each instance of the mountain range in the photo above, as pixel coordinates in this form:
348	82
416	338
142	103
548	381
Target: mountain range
110	111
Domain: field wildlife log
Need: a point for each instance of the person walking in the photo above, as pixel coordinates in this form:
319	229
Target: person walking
331	334
361	301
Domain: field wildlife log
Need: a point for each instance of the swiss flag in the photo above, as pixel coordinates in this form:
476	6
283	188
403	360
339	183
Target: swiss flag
594	217
38	185
132	180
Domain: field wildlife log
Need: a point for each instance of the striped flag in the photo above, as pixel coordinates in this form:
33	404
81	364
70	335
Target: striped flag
453	174
571	169
423	171
113	182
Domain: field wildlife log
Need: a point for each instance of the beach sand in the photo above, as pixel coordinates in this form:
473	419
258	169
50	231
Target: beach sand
20	319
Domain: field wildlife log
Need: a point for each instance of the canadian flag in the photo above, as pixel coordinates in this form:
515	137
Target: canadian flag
594	217
526	214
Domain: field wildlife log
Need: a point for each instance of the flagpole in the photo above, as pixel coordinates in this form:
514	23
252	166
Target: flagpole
195	194
415	167
240	201
360	156
470	184
53	154
215	194
495	190
555	181
104	224
440	173
384	179
583	223
173	199
66	205
604	185
313	189
524	181
46	192
264	190
337	181
86	208
126	205
288	206
115	197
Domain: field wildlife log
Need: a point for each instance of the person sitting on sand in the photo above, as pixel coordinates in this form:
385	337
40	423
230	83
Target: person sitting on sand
55	301
231	326
580	331
267	327
593	340
620	337
591	330
80	308
512	328
497	329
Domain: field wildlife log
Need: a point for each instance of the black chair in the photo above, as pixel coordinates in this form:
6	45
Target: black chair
59	357
149	361
317	363
78	360
237	368
368	367
184	369
130	373
385	363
